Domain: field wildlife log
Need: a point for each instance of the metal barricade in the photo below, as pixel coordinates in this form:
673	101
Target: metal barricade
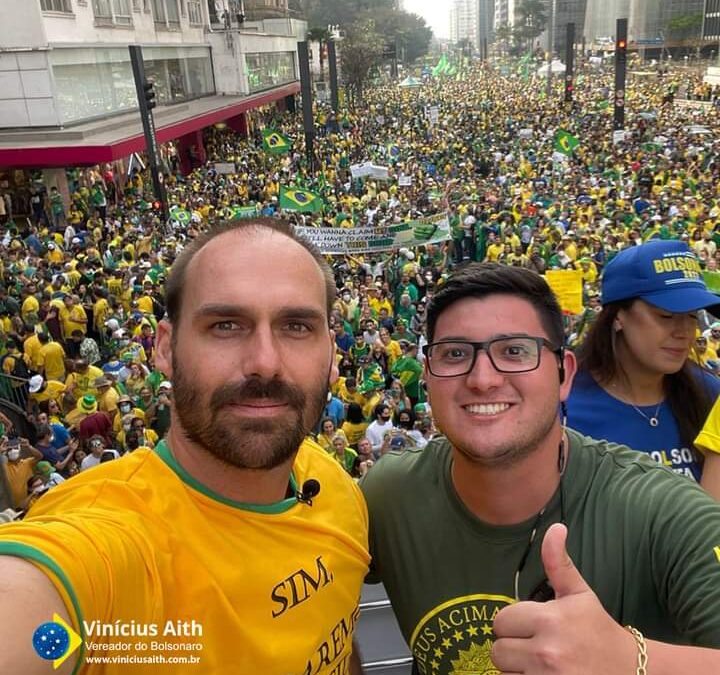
14	390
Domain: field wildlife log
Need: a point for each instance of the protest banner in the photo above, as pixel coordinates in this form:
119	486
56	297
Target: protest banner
339	240
567	286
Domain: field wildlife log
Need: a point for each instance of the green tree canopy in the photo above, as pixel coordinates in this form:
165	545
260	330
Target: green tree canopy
407	32
531	19
361	50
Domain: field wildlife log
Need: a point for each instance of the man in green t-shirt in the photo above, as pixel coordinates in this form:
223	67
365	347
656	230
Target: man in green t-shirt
515	545
409	371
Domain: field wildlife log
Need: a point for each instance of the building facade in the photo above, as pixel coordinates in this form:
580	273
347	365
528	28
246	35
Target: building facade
504	13
568	11
464	22
647	19
711	21
67	95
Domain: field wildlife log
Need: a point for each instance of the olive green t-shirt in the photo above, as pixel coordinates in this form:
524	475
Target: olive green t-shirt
646	540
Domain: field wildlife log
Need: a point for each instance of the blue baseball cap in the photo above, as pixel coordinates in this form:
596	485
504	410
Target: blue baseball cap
664	273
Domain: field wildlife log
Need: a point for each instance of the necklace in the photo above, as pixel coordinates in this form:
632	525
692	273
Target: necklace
654	420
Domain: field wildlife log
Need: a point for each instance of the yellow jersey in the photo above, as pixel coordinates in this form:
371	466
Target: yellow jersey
30	306
54	391
52	359
84	382
708	440
73	319
138	547
31	349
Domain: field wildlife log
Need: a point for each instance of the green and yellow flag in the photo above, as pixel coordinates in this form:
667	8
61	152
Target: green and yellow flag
239	212
274	142
565	142
295	199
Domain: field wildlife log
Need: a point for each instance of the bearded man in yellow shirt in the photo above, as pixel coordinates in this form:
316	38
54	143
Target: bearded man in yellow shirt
237	541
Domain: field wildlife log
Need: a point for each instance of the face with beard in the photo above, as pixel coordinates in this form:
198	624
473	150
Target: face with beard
248	442
250	358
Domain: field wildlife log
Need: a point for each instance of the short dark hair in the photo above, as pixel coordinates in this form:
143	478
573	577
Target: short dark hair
479	280
355	413
175	283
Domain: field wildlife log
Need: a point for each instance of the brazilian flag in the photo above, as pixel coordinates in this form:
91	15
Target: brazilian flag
274	142
294	199
565	142
393	151
180	216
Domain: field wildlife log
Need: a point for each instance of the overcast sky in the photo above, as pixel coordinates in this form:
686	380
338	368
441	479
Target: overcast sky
436	14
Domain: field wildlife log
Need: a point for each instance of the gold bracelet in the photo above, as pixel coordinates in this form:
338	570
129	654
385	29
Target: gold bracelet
642	658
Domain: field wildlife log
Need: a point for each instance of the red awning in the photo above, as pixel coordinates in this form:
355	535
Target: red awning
79	153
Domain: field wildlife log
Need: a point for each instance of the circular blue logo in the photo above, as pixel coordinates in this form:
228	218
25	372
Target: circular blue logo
301	197
51	641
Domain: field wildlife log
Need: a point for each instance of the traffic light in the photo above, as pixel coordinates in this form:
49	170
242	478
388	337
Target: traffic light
149	94
621	50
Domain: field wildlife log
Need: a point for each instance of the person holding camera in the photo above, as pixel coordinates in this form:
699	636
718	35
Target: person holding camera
18	469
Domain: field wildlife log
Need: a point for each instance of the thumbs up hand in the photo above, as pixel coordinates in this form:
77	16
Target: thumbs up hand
571	635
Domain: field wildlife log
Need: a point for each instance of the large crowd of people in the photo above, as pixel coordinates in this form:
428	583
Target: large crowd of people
82	289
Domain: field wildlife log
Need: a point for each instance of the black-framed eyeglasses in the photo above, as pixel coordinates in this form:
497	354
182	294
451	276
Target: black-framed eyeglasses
508	354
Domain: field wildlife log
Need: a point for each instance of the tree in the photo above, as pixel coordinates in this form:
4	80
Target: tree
531	20
321	36
685	27
361	50
503	36
341	12
408	33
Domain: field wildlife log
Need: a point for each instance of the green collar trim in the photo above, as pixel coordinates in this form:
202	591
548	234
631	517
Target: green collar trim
29	553
164	452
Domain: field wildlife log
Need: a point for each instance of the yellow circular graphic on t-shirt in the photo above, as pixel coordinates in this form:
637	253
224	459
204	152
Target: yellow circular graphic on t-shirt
456	637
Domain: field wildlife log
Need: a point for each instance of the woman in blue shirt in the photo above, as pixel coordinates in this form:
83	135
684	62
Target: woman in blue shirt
636	385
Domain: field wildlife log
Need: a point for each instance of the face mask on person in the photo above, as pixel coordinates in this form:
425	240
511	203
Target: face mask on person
125	407
13	454
346	297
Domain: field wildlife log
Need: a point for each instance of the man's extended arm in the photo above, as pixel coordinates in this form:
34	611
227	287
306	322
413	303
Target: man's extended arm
27	600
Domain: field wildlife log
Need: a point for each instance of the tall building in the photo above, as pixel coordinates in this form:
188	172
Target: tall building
472	20
711	21
647	19
504	13
601	16
650	18
67	95
486	22
568	11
